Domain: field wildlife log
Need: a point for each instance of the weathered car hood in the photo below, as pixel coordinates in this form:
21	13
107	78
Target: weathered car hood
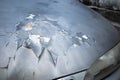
45	39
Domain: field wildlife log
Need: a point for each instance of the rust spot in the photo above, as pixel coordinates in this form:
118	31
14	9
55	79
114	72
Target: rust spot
28	26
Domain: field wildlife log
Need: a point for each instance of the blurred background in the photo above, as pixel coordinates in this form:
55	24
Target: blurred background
110	9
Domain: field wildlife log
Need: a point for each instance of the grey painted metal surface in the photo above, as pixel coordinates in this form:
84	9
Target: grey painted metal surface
45	39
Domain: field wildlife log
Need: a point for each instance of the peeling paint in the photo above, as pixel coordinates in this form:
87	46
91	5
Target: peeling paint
45	39
82	39
28	26
85	36
31	16
75	45
65	34
54	57
35	44
42	52
19	43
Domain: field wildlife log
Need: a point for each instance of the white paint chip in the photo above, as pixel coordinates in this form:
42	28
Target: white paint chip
31	16
75	45
35	38
28	27
45	39
85	36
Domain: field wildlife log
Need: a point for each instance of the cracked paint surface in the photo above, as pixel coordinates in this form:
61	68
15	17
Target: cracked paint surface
30	39
37	44
44	42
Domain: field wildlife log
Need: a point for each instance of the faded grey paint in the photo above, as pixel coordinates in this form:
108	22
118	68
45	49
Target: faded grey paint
77	37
